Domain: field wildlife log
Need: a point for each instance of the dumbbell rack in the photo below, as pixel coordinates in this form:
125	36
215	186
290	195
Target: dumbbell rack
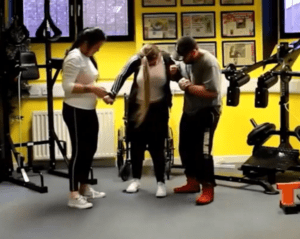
265	162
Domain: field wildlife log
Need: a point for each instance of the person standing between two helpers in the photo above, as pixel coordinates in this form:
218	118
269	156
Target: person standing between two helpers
148	111
79	112
201	81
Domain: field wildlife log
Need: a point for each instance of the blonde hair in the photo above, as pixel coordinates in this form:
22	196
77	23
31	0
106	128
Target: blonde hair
150	51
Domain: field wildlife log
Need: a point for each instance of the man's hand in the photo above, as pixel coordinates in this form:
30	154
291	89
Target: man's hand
108	100
184	83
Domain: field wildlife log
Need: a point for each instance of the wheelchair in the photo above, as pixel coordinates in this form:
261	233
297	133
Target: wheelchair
123	150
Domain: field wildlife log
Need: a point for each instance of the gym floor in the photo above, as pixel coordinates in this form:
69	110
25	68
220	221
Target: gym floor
240	211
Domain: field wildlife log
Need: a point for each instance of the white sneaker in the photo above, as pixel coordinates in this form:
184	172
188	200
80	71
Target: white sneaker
80	202
134	186
161	190
89	192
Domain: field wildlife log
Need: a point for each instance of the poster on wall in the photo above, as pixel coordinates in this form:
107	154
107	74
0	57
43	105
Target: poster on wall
208	46
159	26
239	53
198	24
159	3
238	24
197	2
237	2
167	47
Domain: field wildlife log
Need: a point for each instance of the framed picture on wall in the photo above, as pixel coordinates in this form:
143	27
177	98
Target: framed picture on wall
198	24
208	46
238	24
159	3
237	2
159	26
167	47
197	2
239	53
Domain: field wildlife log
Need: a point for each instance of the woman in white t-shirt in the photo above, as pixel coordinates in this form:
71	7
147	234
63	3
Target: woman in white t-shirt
79	75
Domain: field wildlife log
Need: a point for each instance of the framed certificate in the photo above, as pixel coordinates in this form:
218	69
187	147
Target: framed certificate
239	53
238	24
159	3
237	2
197	2
167	47
159	26
208	46
198	24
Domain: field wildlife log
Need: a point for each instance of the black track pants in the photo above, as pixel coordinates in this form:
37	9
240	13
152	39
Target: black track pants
151	135
195	144
83	129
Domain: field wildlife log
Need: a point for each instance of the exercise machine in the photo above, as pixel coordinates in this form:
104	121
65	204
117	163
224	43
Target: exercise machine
266	162
18	66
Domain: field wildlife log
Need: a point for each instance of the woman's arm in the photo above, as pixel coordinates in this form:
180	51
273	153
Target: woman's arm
70	73
171	67
99	91
127	70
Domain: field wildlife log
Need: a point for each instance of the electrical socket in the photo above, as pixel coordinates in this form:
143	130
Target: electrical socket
35	90
44	90
58	91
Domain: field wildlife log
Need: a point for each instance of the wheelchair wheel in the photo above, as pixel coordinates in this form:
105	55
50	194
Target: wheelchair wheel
120	151
169	153
168	169
120	155
125	171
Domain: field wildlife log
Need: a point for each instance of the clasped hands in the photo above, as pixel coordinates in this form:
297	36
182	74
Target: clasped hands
108	99
183	82
100	92
105	96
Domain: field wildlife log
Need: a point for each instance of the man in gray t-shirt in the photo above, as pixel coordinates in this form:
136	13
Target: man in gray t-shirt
199	76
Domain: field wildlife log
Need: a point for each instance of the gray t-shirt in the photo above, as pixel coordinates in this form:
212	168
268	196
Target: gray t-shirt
204	71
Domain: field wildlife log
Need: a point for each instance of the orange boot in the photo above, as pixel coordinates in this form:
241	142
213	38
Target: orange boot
207	195
192	186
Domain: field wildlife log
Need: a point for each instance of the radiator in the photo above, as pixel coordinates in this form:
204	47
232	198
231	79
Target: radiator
105	147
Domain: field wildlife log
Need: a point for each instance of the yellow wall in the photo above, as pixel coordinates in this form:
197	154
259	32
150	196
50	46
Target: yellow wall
234	126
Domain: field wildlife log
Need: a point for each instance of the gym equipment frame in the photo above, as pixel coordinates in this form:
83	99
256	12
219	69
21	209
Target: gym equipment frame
267	161
123	151
12	69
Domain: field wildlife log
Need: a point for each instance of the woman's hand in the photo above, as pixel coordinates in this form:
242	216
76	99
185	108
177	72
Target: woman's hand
173	69
99	91
184	83
108	99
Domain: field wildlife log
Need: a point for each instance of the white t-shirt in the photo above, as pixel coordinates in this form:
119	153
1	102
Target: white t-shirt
157	80
78	68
